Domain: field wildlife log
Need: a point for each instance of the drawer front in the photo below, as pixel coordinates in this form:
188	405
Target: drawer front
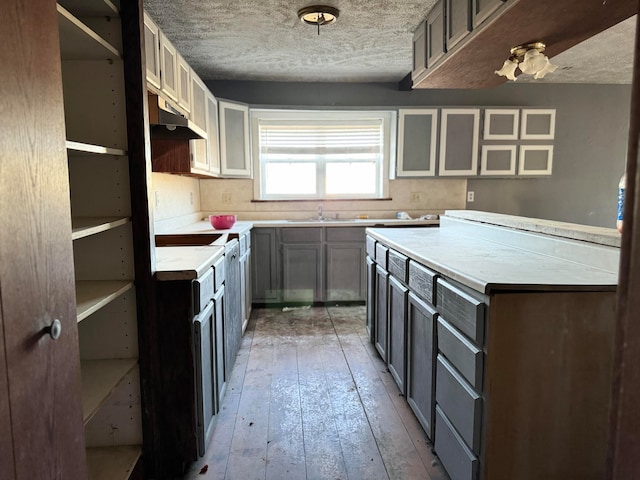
462	405
422	281
202	291
219	275
382	255
301	234
398	265
462	354
371	247
458	460
344	234
461	310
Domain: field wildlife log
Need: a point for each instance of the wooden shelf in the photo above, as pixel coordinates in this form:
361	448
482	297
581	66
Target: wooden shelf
85	226
92	295
78	149
79	42
112	463
91	8
99	380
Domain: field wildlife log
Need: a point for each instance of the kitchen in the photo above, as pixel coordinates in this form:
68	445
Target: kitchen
577	108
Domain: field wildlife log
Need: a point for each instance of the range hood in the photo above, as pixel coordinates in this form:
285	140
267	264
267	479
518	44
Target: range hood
166	122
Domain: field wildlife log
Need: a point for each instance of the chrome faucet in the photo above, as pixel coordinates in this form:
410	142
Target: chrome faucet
319	212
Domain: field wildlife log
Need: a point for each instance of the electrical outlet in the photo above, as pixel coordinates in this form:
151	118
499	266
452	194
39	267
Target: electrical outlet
471	196
415	197
226	198
157	199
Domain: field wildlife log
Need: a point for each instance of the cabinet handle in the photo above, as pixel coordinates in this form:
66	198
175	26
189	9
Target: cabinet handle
54	330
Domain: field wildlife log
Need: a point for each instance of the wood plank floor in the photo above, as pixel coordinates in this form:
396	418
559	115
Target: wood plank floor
310	398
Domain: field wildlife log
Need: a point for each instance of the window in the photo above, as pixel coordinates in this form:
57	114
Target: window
321	154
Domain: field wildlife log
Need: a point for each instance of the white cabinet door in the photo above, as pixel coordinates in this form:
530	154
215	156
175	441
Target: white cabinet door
184	84
213	134
417	139
198	148
152	50
234	139
168	68
459	129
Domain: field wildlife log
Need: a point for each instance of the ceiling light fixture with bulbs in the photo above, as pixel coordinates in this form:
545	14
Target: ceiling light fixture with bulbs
318	15
529	59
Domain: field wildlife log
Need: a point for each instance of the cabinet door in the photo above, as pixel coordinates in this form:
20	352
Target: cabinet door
302	272
203	348
41	431
419	51
219	321
483	9
265	261
152	50
245	293
436	45
417	138
233	307
398	297
458	21
345	272
421	361
213	134
381	312
198	148
184	83
459	142
168	68
371	297
234	139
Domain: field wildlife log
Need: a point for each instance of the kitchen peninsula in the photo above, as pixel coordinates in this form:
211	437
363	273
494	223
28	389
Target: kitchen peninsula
501	339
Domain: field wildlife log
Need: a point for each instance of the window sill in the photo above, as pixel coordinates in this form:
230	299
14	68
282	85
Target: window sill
323	200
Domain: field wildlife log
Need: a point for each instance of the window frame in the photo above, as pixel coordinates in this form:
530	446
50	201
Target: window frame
389	122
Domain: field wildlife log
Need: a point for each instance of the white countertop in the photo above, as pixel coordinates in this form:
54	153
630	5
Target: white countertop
185	263
487	265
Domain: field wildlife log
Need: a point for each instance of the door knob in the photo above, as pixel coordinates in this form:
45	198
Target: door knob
55	329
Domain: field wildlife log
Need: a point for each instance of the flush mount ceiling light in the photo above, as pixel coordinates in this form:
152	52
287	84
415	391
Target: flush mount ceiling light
318	15
530	59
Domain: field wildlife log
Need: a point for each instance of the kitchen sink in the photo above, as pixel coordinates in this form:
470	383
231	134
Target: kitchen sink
323	220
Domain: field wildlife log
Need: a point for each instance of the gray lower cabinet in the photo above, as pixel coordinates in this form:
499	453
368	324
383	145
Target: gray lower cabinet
371	286
308	264
421	360
398	296
265	261
245	278
233	306
381	314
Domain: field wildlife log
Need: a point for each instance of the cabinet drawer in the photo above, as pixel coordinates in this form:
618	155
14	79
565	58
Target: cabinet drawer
460	402
461	310
464	355
458	460
202	291
371	247
398	265
421	281
301	234
382	254
344	234
218	269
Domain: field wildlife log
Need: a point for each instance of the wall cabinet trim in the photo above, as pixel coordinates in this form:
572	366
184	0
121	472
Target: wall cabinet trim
404	169
504	132
444	168
525	165
538	129
486	160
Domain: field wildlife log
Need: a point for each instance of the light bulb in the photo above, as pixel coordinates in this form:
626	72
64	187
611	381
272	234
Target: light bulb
508	69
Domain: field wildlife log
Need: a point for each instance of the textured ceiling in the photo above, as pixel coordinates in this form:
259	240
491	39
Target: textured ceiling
370	42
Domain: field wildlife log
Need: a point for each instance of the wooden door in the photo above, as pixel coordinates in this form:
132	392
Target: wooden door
41	432
302	272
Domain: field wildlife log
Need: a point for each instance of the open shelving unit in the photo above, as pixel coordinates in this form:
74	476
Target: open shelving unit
95	118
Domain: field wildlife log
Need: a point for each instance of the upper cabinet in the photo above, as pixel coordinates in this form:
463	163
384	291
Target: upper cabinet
483	9
235	160
459	142
184	84
429	42
457	21
168	68
213	135
418	138
152	50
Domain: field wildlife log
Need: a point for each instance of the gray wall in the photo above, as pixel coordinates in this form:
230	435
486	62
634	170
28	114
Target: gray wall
589	150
